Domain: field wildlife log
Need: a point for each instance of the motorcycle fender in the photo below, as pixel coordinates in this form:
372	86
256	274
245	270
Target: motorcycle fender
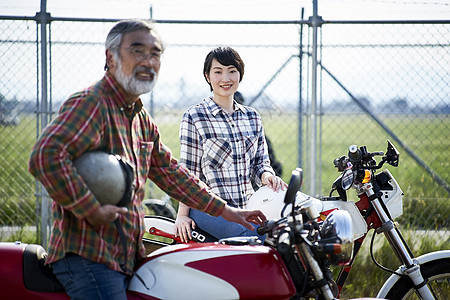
421	259
164	224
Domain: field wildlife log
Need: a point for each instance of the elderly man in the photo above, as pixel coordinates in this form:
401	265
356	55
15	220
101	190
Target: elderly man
84	249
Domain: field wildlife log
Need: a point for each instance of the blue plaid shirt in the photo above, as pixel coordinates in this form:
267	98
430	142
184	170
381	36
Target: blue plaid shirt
225	150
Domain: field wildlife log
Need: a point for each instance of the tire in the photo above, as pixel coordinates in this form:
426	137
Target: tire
160	208
438	274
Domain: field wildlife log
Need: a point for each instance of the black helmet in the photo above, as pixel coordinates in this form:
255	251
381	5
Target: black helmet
109	177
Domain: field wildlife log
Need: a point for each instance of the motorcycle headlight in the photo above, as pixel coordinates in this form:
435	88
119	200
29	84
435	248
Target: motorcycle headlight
338	227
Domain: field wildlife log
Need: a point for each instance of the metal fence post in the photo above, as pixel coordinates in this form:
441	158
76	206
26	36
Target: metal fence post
43	18
300	99
315	22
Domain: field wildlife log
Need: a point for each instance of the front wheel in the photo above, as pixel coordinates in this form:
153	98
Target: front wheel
438	274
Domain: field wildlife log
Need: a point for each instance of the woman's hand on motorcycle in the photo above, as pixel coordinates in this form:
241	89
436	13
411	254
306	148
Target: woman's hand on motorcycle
183	226
272	181
243	216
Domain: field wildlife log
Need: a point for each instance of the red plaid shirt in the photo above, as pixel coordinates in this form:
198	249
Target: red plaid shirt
100	119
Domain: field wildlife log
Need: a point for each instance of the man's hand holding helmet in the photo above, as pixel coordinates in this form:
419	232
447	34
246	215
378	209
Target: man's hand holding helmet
106	214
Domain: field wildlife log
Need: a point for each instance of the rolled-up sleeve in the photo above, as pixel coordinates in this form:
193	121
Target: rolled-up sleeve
69	135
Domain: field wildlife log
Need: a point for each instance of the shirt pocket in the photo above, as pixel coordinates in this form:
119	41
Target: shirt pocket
217	154
145	149
250	145
144	154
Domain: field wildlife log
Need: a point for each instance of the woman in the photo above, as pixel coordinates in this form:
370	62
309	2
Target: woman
223	143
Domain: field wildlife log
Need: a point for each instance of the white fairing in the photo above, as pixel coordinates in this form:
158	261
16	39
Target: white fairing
271	203
393	198
358	223
168	277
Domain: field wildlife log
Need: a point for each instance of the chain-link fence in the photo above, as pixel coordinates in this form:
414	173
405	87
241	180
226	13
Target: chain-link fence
376	81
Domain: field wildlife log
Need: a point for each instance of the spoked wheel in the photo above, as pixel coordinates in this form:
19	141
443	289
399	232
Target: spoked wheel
159	207
438	274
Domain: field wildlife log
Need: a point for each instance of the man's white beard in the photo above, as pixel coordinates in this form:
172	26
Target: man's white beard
130	83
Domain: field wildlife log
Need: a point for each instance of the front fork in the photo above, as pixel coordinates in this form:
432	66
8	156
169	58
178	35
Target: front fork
316	271
412	268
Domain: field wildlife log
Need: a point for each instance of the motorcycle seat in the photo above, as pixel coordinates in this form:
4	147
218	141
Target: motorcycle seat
37	276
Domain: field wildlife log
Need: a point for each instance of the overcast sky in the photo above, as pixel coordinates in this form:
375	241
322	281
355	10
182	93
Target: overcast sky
236	9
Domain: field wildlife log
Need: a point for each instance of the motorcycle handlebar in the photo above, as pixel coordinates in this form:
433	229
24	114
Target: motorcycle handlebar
261	230
356	156
268	226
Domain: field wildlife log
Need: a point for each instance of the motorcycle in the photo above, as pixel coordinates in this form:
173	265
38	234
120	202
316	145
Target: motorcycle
380	202
295	266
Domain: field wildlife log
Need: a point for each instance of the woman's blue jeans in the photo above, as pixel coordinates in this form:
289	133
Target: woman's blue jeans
85	279
221	228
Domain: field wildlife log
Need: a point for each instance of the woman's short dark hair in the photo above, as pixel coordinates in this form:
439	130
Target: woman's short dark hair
226	56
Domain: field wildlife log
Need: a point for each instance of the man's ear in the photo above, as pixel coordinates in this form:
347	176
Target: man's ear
207	78
110	62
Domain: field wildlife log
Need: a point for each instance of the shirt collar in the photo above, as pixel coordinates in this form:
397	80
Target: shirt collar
120	96
215	109
240	107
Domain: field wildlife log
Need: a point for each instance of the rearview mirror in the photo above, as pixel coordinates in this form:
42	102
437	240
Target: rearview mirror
348	177
294	186
392	155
